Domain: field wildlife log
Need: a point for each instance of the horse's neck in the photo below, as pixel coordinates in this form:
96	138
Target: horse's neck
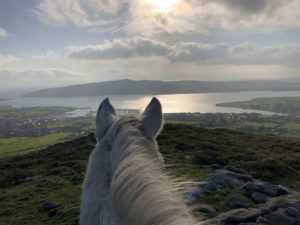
141	194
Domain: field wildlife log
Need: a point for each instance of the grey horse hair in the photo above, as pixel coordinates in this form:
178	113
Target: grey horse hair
125	183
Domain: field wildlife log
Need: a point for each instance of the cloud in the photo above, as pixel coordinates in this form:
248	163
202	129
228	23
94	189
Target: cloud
142	18
188	52
58	13
39	78
245	54
48	55
3	32
136	47
251	54
8	59
197	52
85	14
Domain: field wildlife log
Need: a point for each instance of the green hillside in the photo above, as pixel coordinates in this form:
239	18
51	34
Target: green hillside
286	105
55	174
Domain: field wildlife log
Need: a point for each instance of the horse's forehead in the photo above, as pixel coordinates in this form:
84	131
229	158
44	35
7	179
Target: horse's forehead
125	122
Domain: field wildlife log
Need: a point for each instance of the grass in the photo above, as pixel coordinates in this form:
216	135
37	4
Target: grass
55	174
258	124
183	122
84	123
23	145
5	108
286	105
283	127
292	126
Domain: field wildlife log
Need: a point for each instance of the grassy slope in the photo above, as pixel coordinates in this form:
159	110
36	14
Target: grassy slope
56	173
22	145
287	105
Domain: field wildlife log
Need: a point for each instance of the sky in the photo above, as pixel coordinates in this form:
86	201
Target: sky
47	43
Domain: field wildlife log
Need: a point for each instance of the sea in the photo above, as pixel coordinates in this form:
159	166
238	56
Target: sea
202	102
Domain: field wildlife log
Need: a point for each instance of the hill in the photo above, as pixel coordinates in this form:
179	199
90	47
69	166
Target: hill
30	183
148	87
285	105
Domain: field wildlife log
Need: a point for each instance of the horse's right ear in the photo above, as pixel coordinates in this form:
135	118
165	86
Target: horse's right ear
152	119
106	115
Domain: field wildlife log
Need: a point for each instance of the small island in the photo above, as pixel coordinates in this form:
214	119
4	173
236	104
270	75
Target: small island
284	105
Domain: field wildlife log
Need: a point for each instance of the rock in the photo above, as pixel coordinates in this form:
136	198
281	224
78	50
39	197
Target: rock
259	198
266	188
237	201
261	220
191	195
244	177
52	213
205	208
209	187
247	224
219	179
28	179
237	216
48	206
252	186
216	166
282	202
282	190
279	218
270	189
293	211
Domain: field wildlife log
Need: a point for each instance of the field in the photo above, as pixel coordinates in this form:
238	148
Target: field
285	105
55	174
23	145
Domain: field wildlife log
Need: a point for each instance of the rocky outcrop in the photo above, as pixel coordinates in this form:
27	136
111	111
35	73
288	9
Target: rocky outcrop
237	201
259	190
277	211
255	203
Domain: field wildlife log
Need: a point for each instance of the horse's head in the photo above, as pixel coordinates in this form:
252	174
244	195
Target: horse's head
150	123
110	129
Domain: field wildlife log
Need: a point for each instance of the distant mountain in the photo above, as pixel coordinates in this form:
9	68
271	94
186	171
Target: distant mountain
149	87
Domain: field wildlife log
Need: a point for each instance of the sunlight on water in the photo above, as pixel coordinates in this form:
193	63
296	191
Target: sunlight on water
204	102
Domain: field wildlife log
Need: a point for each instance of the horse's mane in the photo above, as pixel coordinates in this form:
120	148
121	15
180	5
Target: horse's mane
125	183
141	193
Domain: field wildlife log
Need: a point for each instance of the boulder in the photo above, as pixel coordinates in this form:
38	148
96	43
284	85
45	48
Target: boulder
261	220
279	218
282	202
216	166
205	208
293	211
209	187
237	201
270	189
238	216
252	186
259	198
46	206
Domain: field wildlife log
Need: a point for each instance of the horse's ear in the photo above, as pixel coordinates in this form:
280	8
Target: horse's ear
152	119
106	115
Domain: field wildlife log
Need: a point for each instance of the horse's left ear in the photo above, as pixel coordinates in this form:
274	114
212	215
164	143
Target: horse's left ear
106	116
152	119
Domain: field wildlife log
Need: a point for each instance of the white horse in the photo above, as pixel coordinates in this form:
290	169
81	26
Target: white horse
124	182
